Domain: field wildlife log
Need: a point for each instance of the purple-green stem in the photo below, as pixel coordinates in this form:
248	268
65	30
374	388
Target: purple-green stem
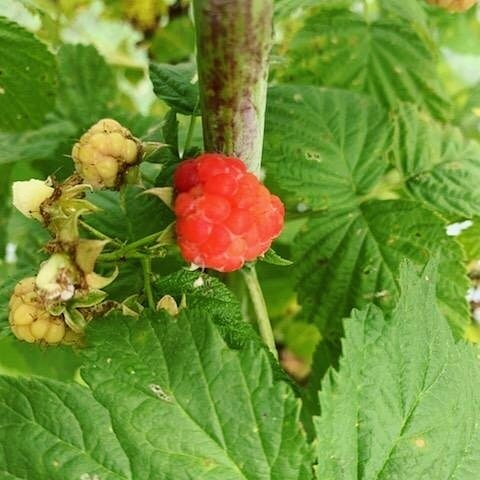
234	39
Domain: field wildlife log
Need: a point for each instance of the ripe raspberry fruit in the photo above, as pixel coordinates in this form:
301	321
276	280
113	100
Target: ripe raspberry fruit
225	216
453	5
30	321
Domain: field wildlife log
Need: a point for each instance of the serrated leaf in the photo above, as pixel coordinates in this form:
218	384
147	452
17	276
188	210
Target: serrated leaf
26	66
349	258
170	400
326	147
209	295
439	166
173	84
201	291
405	400
87	85
128	216
175	361
386	58
69	433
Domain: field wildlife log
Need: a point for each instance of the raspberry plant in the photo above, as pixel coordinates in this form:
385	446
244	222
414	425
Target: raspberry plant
148	329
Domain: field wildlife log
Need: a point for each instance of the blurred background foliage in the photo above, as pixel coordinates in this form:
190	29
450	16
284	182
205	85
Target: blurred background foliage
102	51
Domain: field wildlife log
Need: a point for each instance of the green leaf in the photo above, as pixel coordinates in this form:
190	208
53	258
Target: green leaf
349	258
129	281
405	401
144	127
439	166
175	42
326	147
27	79
173	84
62	430
202	291
87	85
209	295
38	144
128	216
274	258
285	8
387	59
170	400
160	365
26	359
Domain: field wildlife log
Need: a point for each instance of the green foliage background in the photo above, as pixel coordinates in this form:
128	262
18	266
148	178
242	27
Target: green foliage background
372	141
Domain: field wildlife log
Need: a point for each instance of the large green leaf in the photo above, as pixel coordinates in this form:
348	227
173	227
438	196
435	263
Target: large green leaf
387	59
405	402
87	85
348	258
170	400
439	166
27	78
326	147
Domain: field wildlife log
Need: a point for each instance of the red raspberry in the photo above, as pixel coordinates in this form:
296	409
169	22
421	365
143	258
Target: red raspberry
225	216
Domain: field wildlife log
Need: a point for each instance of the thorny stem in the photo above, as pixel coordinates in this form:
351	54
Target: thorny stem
251	280
147	279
